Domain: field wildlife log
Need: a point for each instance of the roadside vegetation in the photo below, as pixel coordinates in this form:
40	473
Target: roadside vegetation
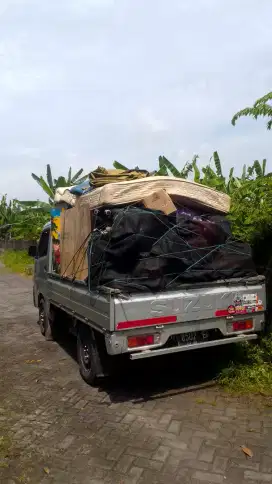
250	369
18	261
250	215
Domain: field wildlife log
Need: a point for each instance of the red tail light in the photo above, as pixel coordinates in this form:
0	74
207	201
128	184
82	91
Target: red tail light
142	340
242	325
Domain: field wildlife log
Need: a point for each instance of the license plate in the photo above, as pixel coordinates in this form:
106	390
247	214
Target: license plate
188	337
191	338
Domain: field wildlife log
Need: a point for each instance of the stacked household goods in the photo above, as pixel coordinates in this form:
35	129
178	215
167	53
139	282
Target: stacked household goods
154	245
151	234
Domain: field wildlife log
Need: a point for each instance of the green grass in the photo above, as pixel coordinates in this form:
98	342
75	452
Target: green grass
18	261
250	371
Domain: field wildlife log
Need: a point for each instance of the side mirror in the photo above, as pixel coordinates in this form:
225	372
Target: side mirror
33	251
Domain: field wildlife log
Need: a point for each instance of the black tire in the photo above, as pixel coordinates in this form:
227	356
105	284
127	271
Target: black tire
46	322
88	356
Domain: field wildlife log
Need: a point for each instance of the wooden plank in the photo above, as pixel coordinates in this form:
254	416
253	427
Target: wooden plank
75	232
82	230
67	244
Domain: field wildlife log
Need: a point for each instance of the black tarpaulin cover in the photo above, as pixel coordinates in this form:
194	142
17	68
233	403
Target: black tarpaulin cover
135	249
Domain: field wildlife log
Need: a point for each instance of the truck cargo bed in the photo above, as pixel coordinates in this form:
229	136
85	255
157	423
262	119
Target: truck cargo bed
192	303
195	316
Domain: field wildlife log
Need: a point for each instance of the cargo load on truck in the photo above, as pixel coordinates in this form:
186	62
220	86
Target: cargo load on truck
149	234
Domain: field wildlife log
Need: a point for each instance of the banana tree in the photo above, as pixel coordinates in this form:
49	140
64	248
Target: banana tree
259	168
50	185
25	206
262	107
209	175
165	167
8	216
22	220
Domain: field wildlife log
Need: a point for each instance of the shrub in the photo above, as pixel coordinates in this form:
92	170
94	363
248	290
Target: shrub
18	261
251	369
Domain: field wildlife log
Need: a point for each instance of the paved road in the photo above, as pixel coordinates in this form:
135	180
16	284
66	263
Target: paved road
144	427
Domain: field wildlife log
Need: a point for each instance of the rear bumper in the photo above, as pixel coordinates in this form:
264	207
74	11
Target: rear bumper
194	346
116	342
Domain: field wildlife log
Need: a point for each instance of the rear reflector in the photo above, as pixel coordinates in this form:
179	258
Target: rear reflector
242	325
139	323
143	340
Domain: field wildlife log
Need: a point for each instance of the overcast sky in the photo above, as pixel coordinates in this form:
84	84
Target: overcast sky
84	82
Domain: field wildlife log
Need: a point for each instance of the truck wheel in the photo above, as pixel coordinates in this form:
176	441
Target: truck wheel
45	321
88	356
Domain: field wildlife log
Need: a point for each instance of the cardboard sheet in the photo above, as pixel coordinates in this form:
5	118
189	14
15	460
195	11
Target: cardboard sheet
75	232
159	200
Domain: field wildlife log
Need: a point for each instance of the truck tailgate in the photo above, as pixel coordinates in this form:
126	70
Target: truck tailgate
191	303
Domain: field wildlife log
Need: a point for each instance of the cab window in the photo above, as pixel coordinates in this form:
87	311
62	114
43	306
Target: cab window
43	244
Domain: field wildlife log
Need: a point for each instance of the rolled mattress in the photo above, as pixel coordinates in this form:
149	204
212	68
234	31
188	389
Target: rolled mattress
182	192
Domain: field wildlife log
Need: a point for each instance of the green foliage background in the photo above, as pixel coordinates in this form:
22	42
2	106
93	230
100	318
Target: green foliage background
250	192
22	221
